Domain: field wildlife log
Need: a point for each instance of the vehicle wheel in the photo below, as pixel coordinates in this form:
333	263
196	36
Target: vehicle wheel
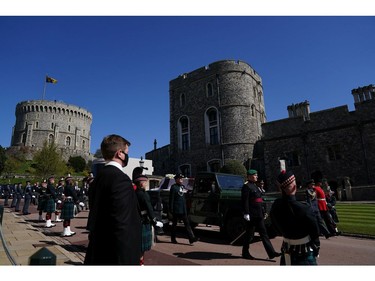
234	227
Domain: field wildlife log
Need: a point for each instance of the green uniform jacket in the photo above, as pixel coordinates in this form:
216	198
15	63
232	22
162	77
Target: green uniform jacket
177	203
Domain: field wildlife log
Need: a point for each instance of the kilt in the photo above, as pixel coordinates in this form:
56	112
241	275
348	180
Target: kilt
41	203
146	237
49	206
67	210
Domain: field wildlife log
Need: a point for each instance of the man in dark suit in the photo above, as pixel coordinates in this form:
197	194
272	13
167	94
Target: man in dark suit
114	218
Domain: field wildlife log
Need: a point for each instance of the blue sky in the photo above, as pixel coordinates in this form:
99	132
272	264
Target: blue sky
119	67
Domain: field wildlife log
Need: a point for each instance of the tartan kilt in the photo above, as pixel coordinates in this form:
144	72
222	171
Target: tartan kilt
67	210
41	204
146	237
49	206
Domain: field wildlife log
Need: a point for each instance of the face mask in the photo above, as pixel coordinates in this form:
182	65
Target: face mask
126	160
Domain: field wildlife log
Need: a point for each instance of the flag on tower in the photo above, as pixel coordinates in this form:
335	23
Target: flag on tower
50	80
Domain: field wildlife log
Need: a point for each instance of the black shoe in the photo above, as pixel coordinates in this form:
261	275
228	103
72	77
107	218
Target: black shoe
328	235
174	241
191	241
275	255
247	256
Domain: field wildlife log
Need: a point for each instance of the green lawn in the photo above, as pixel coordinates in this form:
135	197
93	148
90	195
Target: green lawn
357	218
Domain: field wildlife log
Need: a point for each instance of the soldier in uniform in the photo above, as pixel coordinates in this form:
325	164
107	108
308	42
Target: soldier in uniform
59	199
177	207
252	205
147	215
50	199
18	195
42	198
297	224
67	211
28	193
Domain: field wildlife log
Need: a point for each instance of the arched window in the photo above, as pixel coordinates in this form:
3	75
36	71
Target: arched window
183	133
185	170
212	126
214	165
182	100
209	90
67	142
253	110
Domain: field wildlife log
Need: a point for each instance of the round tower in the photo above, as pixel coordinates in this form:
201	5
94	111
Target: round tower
68	126
216	114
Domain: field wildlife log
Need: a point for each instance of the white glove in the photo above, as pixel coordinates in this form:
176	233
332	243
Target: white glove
246	217
81	204
33	196
159	224
58	201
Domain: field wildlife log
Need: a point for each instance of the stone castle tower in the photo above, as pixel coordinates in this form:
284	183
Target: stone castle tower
68	126
216	113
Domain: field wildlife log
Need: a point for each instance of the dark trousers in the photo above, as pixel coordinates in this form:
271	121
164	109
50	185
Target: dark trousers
331	225
26	204
186	222
18	202
257	223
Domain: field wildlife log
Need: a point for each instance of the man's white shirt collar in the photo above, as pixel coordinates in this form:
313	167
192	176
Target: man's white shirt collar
117	165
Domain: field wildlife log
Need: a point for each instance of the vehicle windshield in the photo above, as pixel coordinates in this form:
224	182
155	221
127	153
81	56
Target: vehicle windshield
230	181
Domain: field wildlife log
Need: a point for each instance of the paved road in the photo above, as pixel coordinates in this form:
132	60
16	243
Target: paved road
212	249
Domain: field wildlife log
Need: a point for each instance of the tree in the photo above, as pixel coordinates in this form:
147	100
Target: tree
3	159
48	161
11	166
234	167
78	163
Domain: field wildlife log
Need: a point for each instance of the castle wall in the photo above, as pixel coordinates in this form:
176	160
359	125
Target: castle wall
68	126
336	142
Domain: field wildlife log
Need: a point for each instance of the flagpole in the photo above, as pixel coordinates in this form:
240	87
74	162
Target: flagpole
45	86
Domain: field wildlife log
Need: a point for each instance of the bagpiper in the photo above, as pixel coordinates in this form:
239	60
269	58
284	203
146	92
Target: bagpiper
67	211
50	199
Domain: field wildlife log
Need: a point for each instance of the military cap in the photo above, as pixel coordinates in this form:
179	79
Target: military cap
252	172
285	178
179	176
138	178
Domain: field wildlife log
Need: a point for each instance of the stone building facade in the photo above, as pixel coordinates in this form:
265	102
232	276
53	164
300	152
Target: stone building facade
334	143
216	113
68	126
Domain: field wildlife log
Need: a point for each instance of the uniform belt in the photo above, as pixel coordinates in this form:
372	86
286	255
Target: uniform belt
300	241
144	212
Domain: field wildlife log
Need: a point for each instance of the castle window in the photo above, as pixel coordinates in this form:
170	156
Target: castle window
292	159
53	117
212	126
183	133
50	139
51	125
24	138
67	142
68	128
214	165
334	153
83	144
182	100
253	110
185	170
36	125
209	90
